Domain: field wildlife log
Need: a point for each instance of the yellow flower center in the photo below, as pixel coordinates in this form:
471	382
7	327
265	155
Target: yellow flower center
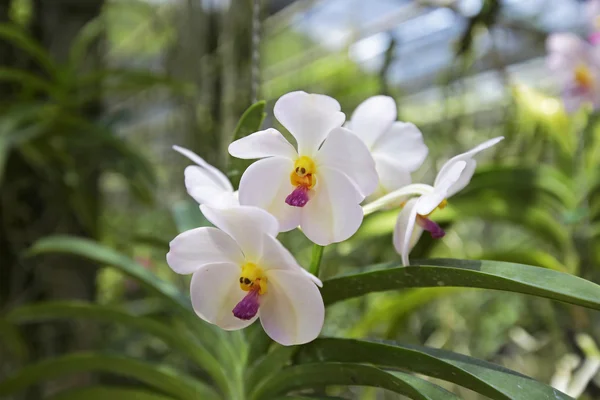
583	76
253	278
304	173
440	206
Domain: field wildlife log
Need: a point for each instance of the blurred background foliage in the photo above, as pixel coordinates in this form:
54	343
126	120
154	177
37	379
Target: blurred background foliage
94	93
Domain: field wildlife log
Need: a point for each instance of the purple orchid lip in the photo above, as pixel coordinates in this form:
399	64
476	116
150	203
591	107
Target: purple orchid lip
247	307
594	38
434	229
299	197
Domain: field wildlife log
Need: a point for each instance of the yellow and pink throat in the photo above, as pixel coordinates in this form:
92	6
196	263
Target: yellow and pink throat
254	281
433	228
583	77
303	178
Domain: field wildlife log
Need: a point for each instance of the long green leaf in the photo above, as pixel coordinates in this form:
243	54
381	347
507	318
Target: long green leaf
12	340
109	392
269	364
496	275
19	38
394	308
212	337
325	373
92	250
528	181
103	255
488	379
530	256
28	80
81	310
251	120
160	377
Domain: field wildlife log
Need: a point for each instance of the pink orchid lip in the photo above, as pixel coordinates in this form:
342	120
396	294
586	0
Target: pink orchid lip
434	229
247	307
594	38
299	197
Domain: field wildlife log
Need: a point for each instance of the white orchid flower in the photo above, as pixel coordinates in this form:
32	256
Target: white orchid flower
575	64
241	273
454	175
320	185
206	184
397	147
592	14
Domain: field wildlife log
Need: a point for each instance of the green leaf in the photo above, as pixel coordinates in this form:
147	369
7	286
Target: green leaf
488	379
12	340
531	257
212	337
4	150
103	255
28	80
83	40
109	392
325	373
187	216
160	377
250	122
258	342
496	275
19	38
81	310
309	398
529	182
269	364
395	307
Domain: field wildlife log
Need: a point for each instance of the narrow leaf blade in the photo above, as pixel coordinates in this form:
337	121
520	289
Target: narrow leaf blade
483	274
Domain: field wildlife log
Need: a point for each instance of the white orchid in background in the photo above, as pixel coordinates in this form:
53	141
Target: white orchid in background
576	65
320	185
205	183
592	11
397	147
241	273
454	175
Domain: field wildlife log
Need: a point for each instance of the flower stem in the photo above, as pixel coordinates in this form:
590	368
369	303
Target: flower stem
315	261
415	189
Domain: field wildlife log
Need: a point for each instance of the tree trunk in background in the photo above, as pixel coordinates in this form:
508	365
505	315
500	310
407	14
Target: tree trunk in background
213	49
33	206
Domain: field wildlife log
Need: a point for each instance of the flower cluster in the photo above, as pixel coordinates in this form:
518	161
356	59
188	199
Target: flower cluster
241	272
575	63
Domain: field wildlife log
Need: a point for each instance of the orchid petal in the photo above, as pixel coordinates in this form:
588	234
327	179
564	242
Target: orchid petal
195	248
372	118
266	184
216	175
565	50
429	202
204	190
293	311
267	143
403	143
309	118
333	214
406	231
468	172
275	256
392	174
345	152
215	292
245	224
